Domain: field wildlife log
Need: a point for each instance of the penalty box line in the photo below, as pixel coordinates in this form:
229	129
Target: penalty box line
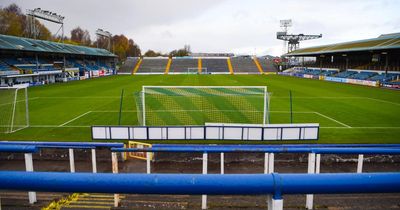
75	118
317	113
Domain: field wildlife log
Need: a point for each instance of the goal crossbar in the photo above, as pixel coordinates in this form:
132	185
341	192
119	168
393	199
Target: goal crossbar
261	93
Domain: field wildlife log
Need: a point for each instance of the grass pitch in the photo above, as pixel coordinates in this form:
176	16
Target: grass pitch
346	113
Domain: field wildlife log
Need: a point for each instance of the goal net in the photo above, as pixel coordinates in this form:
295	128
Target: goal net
196	70
14	114
197	105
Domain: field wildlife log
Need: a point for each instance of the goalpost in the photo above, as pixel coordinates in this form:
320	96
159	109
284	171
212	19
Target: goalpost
195	70
197	105
14	112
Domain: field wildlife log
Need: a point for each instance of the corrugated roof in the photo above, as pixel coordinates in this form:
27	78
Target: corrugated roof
383	42
33	45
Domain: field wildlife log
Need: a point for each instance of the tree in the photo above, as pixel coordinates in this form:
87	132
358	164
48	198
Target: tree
80	36
185	51
152	53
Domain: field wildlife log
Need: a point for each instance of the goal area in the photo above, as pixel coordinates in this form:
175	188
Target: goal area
14	114
198	105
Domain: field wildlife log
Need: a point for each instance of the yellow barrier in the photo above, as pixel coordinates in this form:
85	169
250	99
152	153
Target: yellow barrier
139	155
229	65
168	66
137	66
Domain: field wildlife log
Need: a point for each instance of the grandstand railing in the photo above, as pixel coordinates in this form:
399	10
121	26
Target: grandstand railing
32	147
314	156
236	184
275	202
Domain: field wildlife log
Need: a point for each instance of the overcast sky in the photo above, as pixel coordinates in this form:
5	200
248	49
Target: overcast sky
238	26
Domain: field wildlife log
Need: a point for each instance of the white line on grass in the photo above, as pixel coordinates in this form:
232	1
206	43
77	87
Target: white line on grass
75	118
384	101
322	115
77	97
360	127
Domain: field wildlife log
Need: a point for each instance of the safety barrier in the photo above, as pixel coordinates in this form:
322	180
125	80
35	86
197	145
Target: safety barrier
267	132
234	184
30	147
314	156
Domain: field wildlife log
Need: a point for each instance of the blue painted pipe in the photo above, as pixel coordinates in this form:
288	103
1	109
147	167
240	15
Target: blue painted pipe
18	148
62	144
219	149
372	151
197	184
279	145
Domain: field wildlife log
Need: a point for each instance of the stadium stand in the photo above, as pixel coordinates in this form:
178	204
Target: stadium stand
373	62
153	65
36	62
215	65
128	66
244	64
267	64
183	64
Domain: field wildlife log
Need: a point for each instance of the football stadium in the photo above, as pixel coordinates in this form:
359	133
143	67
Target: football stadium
93	119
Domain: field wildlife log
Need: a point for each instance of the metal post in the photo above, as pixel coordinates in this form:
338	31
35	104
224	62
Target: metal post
29	167
143	107
311	170
360	163
94	163
205	168
277	204
269	168
222	163
71	160
266	163
271	163
120	107
318	163
26	108
148	170
291	107
114	160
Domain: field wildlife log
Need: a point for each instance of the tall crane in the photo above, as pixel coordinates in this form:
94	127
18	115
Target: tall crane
293	39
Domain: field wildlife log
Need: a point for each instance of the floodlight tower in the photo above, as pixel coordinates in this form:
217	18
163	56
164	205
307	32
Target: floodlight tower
105	34
44	15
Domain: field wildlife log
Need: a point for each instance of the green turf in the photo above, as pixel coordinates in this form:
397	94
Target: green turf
346	113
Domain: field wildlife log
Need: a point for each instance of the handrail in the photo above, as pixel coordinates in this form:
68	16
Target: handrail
63	144
197	184
222	149
279	145
19	148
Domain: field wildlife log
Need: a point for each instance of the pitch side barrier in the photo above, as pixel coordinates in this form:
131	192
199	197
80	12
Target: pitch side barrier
221	149
314	156
212	184
280	145
209	132
32	147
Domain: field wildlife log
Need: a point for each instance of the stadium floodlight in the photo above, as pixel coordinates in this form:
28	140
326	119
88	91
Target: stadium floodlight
53	17
197	105
106	34
14	112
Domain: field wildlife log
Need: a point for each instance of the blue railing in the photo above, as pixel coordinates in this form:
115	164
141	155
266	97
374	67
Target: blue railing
212	184
198	184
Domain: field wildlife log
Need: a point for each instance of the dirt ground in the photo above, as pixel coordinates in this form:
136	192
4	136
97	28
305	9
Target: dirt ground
57	160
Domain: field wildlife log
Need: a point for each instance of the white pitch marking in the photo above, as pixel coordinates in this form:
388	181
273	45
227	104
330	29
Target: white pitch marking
384	101
75	118
72	97
345	125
